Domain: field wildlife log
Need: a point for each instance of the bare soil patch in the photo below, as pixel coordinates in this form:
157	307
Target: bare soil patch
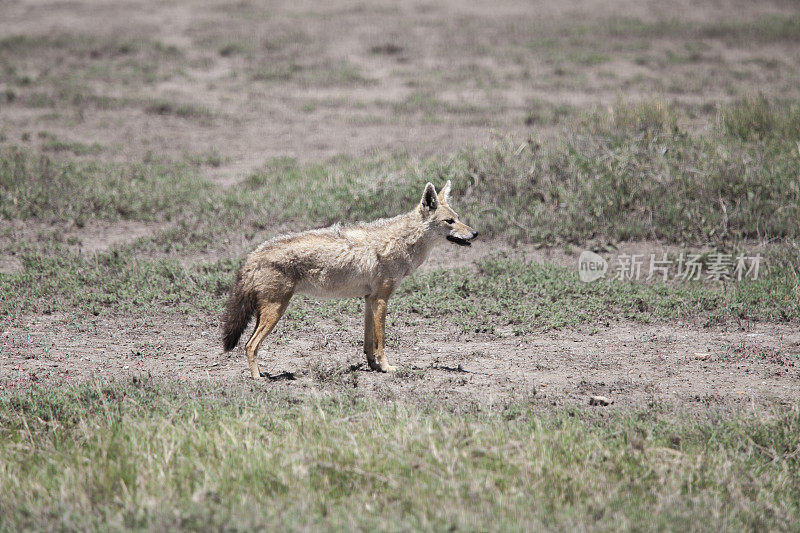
10	264
99	236
92	237
632	364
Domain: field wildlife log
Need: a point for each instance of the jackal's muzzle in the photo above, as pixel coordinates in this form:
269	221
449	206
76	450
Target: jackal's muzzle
462	240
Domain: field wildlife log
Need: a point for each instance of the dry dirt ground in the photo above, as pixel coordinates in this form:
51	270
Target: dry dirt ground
313	80
632	364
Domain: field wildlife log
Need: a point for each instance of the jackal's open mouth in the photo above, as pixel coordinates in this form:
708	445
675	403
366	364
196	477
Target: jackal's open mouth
458	240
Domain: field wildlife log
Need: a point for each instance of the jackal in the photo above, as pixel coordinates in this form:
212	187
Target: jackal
362	260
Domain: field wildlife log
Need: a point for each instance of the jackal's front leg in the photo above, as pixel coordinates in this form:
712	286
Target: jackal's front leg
378	361
369	333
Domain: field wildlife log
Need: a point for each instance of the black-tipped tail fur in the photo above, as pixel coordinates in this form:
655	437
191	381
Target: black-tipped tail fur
240	307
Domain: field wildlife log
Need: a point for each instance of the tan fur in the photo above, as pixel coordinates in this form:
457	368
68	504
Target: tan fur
363	260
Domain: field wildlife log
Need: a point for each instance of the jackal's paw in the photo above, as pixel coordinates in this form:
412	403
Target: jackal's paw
384	367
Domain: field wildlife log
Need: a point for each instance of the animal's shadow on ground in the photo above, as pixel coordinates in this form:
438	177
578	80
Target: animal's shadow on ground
283	376
458	368
361	367
364	368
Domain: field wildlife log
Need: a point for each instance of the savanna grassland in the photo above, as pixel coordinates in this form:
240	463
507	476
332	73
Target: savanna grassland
145	147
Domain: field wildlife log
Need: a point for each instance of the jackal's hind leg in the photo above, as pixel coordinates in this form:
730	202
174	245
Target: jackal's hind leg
268	315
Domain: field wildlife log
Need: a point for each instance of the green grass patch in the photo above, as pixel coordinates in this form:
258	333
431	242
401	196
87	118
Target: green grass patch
112	282
765	29
628	173
39	187
758	118
542	113
323	73
501	292
182	110
143	455
533	297
210	158
76	148
60	65
426	102
51	143
632	174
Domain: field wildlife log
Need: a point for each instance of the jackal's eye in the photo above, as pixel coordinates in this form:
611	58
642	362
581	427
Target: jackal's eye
449	220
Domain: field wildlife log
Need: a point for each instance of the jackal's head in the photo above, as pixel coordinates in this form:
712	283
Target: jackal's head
441	218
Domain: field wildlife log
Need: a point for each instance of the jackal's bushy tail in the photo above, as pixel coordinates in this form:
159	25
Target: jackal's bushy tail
240	307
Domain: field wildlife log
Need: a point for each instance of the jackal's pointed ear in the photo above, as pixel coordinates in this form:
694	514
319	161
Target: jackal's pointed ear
444	194
429	199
